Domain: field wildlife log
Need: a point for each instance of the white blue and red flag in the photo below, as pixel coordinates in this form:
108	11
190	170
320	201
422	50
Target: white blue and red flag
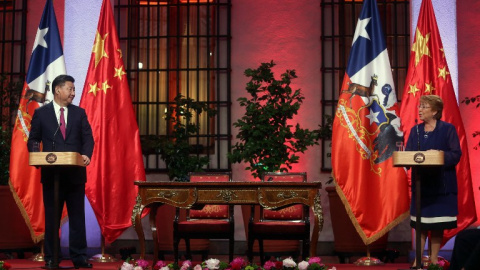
366	130
46	63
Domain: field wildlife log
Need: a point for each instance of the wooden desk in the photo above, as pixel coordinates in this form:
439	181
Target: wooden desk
271	195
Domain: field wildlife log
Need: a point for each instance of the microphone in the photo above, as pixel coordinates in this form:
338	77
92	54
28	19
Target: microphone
55	134
418	136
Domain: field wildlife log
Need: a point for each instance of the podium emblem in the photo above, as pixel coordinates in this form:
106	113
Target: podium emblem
51	158
419	158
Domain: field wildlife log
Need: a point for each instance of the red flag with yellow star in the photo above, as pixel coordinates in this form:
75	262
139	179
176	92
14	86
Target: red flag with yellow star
117	159
428	73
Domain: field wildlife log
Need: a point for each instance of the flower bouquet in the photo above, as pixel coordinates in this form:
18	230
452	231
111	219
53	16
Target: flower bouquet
314	263
4	265
441	265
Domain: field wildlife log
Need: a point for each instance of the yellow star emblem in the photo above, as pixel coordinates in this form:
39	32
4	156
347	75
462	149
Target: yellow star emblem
442	72
420	46
120	54
429	88
105	86
99	48
119	72
443	52
94	89
413	89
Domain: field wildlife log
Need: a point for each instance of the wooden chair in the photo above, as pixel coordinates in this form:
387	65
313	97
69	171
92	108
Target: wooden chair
211	222
290	223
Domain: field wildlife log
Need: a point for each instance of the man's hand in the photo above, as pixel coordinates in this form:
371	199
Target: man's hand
86	160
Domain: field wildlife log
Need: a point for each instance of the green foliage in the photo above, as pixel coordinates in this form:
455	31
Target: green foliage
470	101
5	139
267	141
176	151
173	266
222	266
151	143
9	98
316	266
325	130
436	267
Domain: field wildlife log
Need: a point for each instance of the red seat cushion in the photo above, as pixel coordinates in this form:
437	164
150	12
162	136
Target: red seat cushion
278	227
204	226
294	212
210	211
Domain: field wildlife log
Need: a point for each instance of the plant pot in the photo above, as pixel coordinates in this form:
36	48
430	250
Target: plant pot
347	240
14	233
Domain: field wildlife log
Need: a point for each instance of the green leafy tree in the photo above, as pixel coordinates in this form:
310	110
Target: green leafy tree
178	154
268	142
9	98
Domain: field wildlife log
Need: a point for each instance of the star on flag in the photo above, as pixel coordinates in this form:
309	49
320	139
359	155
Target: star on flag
420	46
99	48
40	38
360	30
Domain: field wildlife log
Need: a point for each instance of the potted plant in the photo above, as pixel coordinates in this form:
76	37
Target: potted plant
268	141
180	157
176	150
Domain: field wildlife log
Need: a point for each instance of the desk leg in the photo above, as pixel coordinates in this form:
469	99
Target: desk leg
137	224
317	224
153	227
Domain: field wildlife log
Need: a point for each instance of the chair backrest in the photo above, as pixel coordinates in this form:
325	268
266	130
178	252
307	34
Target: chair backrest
291	213
210	211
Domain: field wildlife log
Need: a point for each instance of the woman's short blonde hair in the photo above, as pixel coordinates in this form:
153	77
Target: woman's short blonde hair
435	103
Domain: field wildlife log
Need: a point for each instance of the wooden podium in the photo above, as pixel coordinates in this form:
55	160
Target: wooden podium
416	159
56	159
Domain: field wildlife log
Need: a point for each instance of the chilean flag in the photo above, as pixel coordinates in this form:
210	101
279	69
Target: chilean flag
46	63
366	130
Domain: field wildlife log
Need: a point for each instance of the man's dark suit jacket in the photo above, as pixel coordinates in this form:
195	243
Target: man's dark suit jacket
78	138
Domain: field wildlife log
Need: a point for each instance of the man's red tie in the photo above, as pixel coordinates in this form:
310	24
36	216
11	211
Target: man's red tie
62	122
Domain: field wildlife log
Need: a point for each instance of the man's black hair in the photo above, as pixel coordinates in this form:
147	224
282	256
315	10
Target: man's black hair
61	80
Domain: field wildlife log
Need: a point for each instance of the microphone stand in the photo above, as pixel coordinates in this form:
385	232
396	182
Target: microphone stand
54	135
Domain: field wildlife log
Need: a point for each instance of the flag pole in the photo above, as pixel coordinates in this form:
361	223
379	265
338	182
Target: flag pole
39	257
103	257
368	260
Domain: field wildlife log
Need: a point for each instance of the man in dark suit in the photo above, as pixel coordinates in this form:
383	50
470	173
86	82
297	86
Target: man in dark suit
466	251
63	127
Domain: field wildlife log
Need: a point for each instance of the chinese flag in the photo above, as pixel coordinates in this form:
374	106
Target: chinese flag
46	63
366	130
117	159
428	74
